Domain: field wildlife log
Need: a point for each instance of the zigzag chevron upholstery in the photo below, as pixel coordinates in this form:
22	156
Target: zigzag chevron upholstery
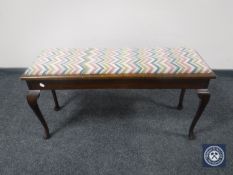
118	61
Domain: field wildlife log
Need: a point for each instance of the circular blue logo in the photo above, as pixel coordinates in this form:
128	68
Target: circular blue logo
214	156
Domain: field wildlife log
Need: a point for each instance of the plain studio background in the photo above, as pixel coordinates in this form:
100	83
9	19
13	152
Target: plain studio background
29	26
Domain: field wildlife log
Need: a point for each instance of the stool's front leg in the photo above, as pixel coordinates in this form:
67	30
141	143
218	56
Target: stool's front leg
32	98
204	96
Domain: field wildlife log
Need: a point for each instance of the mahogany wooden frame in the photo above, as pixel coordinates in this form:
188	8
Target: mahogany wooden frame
200	82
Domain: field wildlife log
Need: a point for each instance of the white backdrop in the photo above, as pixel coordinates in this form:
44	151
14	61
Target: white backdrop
28	26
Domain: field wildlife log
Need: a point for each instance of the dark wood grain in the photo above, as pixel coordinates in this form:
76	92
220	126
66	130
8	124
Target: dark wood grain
119	84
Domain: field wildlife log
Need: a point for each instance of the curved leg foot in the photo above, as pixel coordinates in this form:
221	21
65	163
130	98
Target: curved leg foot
57	107
191	136
32	98
180	105
204	96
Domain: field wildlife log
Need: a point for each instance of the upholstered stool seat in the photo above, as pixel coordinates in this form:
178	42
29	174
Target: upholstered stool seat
93	61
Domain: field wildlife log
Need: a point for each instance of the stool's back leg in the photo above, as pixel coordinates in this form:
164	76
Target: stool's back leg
180	105
204	96
32	98
57	107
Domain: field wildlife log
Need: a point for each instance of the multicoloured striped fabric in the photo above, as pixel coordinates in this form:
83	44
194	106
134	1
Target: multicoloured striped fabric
118	61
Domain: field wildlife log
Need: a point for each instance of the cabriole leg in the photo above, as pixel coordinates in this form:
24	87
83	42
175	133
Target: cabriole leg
57	107
204	97
180	105
32	98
